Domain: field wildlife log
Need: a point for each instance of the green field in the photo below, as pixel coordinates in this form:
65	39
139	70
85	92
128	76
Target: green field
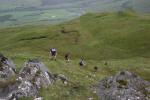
43	12
49	16
121	39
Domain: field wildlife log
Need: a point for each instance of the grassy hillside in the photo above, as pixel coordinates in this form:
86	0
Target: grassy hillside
121	39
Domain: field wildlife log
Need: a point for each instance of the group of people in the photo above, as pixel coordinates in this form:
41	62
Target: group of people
53	53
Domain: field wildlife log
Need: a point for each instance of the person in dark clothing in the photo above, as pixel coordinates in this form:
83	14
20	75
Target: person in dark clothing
68	57
82	62
95	69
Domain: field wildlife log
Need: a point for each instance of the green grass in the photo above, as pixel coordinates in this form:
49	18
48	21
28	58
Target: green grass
121	39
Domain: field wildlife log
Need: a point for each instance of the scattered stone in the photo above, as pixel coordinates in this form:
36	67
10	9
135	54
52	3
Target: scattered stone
38	98
90	98
94	92
124	86
62	78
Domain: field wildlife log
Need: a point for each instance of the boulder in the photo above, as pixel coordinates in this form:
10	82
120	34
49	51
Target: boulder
37	73
30	79
7	76
124	86
7	68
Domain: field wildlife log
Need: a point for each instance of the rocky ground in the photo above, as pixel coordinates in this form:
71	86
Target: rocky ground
27	82
124	86
35	75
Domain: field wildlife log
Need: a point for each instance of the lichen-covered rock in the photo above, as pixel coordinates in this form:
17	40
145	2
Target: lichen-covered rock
7	68
7	76
124	86
36	72
31	78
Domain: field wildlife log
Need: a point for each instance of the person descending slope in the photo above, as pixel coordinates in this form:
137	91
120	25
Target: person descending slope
67	57
53	53
82	62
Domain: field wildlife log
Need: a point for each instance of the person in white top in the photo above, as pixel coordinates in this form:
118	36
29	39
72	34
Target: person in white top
53	53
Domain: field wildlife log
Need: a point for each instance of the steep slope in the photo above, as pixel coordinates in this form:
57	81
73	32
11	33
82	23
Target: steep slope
110	41
114	35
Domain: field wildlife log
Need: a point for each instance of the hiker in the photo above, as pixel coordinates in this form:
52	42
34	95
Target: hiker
53	52
82	62
95	69
68	57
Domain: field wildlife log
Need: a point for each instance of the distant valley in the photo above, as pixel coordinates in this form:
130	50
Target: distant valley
29	12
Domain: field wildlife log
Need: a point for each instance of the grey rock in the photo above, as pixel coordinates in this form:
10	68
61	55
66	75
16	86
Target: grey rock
7	76
27	83
33	76
124	86
36	72
38	98
7	68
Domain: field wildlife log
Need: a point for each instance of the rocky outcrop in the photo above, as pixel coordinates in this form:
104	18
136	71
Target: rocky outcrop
37	73
124	86
7	76
7	68
32	77
27	83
